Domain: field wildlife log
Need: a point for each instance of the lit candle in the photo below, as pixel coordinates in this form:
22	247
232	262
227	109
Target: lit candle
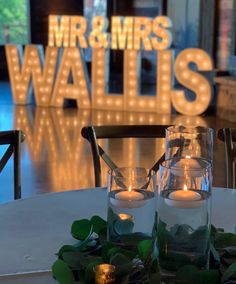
104	273
189	165
128	199
124	216
184	198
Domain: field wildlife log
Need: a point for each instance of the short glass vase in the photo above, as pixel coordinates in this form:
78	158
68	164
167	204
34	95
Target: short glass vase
131	205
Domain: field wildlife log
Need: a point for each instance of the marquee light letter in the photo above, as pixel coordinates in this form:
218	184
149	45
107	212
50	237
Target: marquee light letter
43	82
159	26
193	81
98	38
100	82
142	31
132	59
59	30
78	27
122	33
21	73
164	81
133	100
19	78
72	68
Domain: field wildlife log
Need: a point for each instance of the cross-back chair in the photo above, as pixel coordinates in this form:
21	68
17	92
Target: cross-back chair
228	136
92	133
13	138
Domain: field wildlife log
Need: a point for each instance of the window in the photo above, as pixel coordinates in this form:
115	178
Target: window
14	21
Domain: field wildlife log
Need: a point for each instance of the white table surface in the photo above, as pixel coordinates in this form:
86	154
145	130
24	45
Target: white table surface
33	229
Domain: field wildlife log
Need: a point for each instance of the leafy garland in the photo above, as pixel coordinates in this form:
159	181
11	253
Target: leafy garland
139	265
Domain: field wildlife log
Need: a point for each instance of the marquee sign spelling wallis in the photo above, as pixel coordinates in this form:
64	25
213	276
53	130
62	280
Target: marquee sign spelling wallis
61	73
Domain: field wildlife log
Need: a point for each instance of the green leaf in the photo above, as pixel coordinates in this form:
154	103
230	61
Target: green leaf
190	274
129	253
113	251
102	237
62	273
75	260
181	230
134	239
208	276
173	261
98	224
132	257
200	236
66	248
145	249
87	244
105	251
225	240
123	227
187	274
229	272
81	229
122	263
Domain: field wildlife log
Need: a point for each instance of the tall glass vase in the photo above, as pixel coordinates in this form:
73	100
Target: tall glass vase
184	214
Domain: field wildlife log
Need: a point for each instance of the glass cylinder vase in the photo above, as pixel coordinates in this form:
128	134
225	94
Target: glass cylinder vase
131	205
184	141
184	214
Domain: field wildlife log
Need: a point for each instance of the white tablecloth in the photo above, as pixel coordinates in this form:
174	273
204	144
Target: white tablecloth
32	230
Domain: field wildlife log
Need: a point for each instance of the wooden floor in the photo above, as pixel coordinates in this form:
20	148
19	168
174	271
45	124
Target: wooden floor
56	158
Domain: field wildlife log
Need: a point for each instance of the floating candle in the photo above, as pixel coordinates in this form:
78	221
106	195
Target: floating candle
187	165
129	195
128	199
184	198
124	216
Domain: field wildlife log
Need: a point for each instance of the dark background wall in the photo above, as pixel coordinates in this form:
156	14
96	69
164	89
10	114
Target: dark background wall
40	10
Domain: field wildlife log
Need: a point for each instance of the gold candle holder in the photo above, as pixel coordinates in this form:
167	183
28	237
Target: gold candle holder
104	273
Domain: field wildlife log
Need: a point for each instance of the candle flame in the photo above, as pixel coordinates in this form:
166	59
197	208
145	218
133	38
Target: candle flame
129	189
124	216
188	157
185	187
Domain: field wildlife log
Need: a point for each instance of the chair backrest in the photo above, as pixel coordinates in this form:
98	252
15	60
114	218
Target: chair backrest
92	133
228	136
12	138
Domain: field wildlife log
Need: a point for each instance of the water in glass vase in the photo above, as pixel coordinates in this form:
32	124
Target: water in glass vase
183	230
131	216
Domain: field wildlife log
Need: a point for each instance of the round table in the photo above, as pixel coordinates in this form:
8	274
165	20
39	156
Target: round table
33	229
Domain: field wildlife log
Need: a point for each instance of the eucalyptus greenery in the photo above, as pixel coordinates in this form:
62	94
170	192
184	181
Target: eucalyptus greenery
139	263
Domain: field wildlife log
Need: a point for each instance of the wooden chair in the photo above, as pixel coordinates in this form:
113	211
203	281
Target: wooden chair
228	136
13	139
92	133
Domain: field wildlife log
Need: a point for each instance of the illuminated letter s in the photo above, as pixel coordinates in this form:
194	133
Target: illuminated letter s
193	81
